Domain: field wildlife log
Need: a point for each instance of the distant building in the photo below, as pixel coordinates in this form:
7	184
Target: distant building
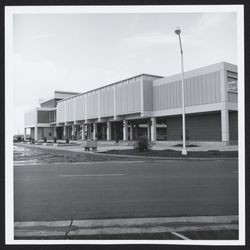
146	105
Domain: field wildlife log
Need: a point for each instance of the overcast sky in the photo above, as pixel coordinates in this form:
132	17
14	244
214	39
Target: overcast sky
79	52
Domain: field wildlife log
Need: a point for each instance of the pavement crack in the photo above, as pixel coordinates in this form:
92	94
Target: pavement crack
69	229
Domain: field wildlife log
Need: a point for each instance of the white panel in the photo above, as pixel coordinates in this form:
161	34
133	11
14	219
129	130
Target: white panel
107	102
69	110
209	96
198	90
217	80
92	105
80	108
200	97
128	98
60	112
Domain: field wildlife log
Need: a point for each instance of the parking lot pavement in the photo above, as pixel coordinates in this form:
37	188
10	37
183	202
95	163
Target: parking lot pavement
125	189
48	190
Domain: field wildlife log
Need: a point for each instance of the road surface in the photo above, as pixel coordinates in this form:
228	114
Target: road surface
112	189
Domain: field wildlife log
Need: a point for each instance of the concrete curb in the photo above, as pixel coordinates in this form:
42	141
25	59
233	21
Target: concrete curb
170	158
80	228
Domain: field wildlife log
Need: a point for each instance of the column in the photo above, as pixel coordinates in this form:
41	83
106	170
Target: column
64	132
73	132
225	126
32	134
108	131
125	130
131	131
94	131
153	129
148	130
83	131
54	130
88	131
103	131
36	133
136	132
24	136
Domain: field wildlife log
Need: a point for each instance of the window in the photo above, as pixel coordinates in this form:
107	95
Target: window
232	84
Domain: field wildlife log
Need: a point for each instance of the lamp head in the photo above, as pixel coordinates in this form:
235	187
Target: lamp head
178	31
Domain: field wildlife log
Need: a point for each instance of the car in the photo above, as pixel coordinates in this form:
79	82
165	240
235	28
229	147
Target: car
17	138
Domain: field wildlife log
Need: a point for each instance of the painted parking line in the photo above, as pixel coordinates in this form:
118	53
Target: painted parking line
89	175
180	236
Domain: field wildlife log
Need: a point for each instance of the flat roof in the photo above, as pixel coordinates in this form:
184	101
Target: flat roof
59	92
199	71
65	92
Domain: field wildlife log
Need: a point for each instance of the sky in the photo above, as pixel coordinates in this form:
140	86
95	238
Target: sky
80	52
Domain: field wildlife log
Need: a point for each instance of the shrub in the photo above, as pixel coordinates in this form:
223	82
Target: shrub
142	145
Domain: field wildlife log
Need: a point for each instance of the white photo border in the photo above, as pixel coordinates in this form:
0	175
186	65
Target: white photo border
9	180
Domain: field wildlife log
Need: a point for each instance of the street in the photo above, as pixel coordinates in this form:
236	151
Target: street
125	189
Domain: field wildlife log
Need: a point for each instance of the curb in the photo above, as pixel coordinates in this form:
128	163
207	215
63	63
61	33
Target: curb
169	158
82	228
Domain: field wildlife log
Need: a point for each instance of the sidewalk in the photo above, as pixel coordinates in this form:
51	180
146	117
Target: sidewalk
136	227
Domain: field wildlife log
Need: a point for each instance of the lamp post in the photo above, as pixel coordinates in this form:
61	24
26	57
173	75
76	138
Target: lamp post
184	150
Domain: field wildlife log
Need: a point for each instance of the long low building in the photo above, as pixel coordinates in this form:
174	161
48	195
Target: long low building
145	106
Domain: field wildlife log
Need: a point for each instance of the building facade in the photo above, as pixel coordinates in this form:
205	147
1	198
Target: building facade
145	106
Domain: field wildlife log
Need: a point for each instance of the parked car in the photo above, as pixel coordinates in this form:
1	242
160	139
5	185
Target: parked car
17	138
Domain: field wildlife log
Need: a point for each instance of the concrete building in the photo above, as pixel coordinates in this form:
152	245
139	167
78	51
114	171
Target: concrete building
146	105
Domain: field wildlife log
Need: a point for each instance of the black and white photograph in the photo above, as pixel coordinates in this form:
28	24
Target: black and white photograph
125	124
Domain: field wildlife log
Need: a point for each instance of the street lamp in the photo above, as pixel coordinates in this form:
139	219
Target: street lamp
184	150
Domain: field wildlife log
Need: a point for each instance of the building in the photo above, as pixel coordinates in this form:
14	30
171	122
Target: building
146	105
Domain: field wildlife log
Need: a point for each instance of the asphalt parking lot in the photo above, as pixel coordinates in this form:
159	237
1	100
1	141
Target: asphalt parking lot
50	191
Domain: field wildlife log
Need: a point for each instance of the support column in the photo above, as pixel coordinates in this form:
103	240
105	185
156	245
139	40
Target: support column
108	131
88	131
24	136
153	129
103	132
225	126
32	133
68	132
54	130
73	132
64	132
83	131
131	131
148	130
94	131
136	131
125	130
36	133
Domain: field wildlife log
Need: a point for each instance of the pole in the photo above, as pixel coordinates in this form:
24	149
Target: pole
184	150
